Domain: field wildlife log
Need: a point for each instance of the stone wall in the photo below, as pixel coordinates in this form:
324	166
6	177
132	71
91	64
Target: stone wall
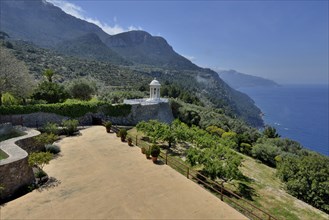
14	176
160	111
15	173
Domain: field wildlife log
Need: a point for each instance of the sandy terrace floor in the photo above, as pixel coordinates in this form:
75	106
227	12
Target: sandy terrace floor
99	177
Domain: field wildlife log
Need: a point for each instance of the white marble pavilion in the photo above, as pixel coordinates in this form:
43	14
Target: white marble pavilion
154	96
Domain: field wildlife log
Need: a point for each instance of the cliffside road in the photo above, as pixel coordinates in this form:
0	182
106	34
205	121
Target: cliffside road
99	177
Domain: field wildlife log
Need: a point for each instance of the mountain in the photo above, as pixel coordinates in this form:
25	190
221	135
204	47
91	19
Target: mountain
52	31
237	80
143	48
90	47
42	23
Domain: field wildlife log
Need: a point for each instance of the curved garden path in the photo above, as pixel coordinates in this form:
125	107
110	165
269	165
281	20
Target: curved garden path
99	177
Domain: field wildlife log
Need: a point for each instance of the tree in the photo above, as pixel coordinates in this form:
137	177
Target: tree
217	162
40	159
307	178
14	76
266	152
50	92
81	89
48	73
270	132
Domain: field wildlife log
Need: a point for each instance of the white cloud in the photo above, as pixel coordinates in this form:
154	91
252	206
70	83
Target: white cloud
191	58
78	12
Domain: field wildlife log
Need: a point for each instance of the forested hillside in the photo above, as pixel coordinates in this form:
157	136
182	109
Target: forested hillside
203	83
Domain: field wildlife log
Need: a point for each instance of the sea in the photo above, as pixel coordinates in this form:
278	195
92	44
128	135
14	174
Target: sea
298	112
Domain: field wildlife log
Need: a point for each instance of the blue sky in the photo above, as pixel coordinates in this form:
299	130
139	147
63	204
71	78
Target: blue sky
286	41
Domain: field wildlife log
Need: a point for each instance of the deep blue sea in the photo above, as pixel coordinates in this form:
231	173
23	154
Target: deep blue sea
298	112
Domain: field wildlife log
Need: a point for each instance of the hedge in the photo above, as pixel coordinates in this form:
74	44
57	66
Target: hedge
72	110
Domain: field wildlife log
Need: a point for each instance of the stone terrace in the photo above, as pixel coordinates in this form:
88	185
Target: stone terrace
99	177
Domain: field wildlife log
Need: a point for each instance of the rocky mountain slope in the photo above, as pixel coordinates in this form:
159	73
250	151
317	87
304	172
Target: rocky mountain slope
93	52
238	80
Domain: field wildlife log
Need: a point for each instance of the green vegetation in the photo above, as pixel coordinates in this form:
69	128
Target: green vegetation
45	138
307	178
212	152
123	134
117	82
50	92
51	128
73	110
12	134
3	155
82	89
14	77
266	192
39	159
54	149
70	126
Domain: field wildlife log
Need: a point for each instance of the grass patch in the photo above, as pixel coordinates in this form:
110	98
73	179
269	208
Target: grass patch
3	155
271	196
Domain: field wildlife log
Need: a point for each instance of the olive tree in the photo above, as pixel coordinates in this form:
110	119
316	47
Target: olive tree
14	76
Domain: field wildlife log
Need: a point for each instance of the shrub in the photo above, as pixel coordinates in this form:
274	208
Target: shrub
73	110
155	151
130	141
40	173
54	149
266	153
82	89
39	159
123	134
51	128
70	126
108	126
9	99
45	138
51	92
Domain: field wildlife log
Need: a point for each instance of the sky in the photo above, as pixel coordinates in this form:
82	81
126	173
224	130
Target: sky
286	41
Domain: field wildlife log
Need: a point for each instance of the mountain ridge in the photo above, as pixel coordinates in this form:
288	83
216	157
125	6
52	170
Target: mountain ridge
238	80
151	56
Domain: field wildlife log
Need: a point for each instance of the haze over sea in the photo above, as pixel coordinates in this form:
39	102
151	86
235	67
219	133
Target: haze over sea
298	112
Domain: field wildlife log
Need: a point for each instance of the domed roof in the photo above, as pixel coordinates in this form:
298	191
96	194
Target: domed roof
155	83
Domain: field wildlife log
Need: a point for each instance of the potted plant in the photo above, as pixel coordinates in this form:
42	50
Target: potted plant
108	126
155	151
123	134
130	141
148	153
143	150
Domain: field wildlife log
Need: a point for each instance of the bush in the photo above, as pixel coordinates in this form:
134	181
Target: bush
108	126
306	178
73	110
54	149
155	151
50	92
266	153
123	134
51	128
39	159
82	89
9	99
70	126
45	138
40	173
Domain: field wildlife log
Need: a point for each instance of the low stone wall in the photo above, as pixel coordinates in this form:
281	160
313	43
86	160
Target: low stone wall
160	111
15	173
